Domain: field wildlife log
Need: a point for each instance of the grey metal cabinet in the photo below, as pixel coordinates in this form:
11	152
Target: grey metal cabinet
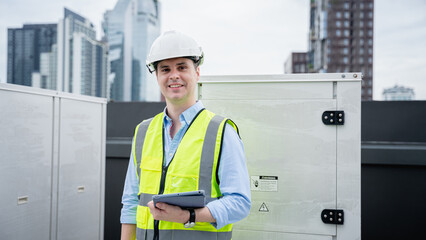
52	156
298	165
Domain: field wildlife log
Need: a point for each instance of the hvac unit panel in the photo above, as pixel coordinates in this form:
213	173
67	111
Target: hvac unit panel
52	156
298	165
291	157
26	165
80	144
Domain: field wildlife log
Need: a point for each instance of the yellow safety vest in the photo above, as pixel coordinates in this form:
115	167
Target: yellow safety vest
193	167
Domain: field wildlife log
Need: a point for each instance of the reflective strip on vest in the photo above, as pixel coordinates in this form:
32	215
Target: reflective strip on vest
140	137
183	234
207	157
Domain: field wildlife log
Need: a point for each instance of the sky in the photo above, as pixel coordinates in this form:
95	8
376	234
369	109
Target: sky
241	37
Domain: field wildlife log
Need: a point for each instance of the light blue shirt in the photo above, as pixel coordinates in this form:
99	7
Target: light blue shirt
234	180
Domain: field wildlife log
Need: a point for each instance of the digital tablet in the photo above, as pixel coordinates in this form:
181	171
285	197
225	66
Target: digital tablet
194	199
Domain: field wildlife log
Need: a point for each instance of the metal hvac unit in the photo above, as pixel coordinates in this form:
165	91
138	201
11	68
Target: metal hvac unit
301	134
52	158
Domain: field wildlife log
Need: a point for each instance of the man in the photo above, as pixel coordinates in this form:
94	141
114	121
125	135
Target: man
184	148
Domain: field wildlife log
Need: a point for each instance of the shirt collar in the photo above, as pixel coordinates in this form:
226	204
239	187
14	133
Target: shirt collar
188	115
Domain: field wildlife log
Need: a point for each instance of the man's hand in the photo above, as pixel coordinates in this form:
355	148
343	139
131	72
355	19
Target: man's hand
169	213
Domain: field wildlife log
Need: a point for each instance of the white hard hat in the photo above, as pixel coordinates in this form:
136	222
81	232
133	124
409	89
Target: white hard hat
173	44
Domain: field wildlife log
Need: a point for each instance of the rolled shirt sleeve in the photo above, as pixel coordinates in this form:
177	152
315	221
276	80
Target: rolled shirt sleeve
130	195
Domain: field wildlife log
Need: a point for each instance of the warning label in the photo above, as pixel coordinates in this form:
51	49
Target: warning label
263	208
264	183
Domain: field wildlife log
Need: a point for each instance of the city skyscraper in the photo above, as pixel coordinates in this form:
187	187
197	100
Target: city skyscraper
82	65
341	39
113	27
24	48
130	29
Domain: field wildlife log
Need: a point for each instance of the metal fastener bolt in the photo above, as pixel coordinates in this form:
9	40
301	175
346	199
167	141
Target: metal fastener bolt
340	219
340	115
355	75
343	75
340	120
331	114
331	213
325	216
340	214
325	117
331	120
331	219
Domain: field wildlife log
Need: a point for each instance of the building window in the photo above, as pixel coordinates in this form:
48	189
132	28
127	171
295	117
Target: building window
361	60
338	33
370	33
346	33
361	33
345	50
338	14
370	42
346	23
369	91
346	5
361	51
345	60
370	23
361	5
361	15
370	14
347	15
370	5
370	51
361	24
361	42
345	42
369	60
338	24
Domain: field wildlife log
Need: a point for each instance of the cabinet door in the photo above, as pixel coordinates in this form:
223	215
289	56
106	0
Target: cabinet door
291	155
26	165
80	169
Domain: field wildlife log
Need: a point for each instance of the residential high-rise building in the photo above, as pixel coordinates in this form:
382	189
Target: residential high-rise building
82	65
297	62
341	39
130	29
398	93
24	48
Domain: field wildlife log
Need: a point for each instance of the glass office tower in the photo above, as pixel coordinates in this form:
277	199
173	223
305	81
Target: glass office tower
130	29
24	47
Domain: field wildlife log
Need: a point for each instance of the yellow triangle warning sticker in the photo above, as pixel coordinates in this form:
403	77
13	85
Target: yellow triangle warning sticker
263	208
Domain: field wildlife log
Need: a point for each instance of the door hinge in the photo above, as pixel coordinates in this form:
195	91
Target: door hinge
333	216
333	117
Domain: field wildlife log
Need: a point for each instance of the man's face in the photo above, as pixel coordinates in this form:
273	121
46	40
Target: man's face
177	79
